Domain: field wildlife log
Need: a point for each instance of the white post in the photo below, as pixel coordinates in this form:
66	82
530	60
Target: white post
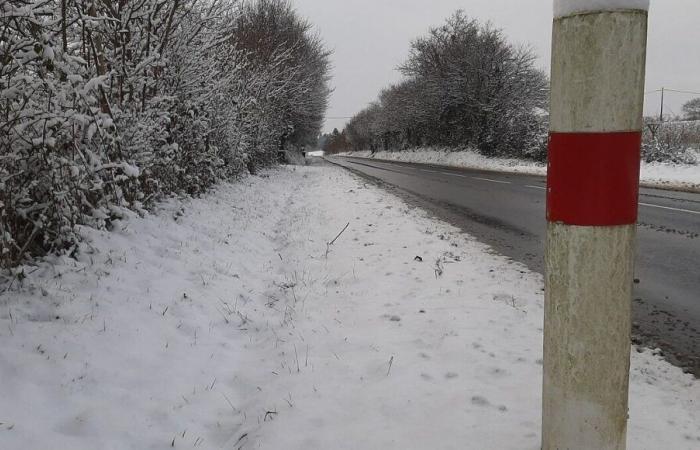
598	63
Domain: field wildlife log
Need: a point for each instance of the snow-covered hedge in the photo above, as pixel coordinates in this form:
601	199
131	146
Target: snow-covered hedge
107	106
672	142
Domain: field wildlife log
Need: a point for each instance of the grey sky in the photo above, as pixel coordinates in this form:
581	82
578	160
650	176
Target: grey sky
371	37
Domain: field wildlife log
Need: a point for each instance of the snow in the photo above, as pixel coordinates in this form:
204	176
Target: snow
462	158
671	175
230	322
130	170
567	7
660	175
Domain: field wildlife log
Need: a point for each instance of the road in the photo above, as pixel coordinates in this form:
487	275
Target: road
507	211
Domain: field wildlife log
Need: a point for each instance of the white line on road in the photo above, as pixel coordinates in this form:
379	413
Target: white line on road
669	208
689	211
492	181
453	174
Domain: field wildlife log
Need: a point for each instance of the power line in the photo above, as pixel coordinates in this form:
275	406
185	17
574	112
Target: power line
683	92
663	91
672	90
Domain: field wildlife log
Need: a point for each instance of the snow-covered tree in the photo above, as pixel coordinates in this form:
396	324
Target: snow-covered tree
691	109
465	85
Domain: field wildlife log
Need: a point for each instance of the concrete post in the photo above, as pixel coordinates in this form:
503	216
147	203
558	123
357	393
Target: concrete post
598	63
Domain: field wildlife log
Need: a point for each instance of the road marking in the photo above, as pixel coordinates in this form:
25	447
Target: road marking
492	181
535	187
453	174
669	208
426	170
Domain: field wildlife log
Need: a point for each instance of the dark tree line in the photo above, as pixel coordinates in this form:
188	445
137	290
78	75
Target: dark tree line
108	105
335	142
464	85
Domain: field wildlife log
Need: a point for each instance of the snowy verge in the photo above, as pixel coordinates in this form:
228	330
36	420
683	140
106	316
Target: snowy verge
567	7
654	175
230	322
467	159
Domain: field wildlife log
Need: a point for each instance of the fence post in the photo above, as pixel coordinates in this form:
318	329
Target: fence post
597	93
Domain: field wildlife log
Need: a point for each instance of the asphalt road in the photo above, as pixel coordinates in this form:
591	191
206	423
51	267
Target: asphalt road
507	211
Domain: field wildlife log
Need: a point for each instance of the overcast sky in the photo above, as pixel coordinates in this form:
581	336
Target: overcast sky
371	38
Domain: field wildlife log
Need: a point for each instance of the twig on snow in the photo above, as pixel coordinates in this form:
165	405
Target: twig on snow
229	402
328	245
296	356
339	234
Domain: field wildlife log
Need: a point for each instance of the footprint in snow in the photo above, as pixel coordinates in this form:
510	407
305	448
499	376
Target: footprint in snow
480	401
483	402
392	318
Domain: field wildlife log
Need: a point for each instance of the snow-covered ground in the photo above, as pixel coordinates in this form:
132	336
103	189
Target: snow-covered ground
675	176
229	322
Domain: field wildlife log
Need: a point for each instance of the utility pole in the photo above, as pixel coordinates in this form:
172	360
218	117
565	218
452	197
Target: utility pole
597	93
661	116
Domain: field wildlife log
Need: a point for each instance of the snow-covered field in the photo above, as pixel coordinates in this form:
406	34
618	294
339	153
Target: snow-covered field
675	176
229	322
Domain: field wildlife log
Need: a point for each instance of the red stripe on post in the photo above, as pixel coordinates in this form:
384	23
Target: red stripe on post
593	178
